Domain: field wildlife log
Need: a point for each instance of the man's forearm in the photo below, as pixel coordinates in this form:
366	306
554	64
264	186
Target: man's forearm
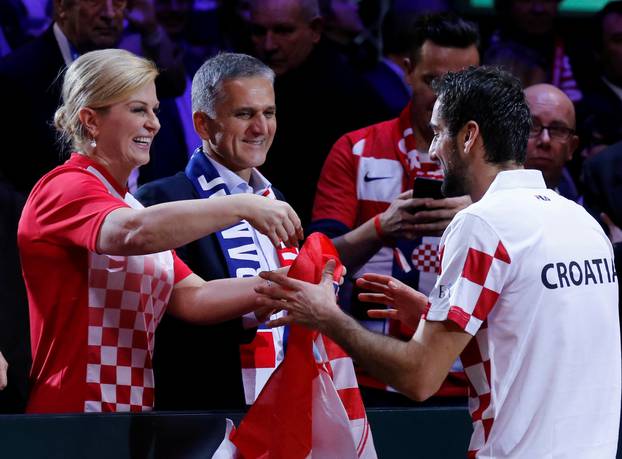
395	362
357	246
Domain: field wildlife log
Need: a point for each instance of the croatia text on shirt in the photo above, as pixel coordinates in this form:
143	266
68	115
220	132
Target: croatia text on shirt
575	273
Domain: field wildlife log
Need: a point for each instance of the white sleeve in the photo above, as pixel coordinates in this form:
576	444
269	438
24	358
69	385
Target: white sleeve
474	268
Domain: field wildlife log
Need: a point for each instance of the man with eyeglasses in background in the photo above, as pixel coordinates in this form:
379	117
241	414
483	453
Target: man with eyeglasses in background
552	139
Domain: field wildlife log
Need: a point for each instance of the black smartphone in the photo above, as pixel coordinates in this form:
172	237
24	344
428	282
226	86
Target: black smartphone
427	188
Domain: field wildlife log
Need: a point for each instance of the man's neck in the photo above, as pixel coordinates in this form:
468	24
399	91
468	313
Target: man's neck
552	182
244	174
484	175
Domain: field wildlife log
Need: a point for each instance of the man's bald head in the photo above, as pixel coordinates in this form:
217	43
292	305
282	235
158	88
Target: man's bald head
552	140
548	96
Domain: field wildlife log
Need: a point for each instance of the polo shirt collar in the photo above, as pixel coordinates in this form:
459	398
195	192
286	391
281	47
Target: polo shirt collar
517	178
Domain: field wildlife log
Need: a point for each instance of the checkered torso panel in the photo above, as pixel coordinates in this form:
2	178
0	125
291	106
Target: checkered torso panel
127	298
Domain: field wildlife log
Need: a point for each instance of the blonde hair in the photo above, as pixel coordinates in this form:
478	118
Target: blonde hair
97	80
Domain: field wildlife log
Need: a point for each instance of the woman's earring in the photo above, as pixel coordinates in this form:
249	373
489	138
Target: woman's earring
93	143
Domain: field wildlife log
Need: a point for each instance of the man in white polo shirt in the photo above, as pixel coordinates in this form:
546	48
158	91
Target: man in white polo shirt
527	295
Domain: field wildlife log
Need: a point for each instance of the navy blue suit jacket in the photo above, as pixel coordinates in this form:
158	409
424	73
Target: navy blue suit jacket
197	367
603	193
31	79
30	86
602	175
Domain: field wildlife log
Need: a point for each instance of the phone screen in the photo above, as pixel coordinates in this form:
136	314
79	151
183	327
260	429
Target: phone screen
427	188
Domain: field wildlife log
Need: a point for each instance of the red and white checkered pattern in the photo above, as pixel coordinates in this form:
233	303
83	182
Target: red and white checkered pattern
540	384
318	425
476	362
334	361
259	358
477	289
425	258
127	298
479	268
258	361
481	281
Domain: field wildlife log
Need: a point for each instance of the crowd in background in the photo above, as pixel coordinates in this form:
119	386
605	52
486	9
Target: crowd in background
336	72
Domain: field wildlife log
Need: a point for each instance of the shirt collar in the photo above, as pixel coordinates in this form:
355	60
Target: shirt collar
83	161
517	178
393	66
236	184
616	89
67	50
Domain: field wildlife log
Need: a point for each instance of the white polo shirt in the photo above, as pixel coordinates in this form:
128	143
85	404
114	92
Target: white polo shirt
531	275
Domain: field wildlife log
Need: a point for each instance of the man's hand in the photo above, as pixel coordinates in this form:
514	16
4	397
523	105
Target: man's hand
276	219
263	313
408	304
438	214
398	221
4	366
311	305
615	233
409	218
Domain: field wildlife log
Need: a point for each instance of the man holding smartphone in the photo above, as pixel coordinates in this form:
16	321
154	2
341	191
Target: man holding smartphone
364	198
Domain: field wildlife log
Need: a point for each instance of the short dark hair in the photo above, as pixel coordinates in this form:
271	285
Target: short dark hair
614	7
443	29
494	99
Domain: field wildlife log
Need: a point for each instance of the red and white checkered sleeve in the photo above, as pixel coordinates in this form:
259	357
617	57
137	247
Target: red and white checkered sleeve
474	267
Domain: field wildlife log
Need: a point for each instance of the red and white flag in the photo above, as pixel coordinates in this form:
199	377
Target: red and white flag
311	406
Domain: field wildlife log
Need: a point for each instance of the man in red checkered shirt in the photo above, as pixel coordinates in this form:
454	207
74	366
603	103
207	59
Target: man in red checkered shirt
527	296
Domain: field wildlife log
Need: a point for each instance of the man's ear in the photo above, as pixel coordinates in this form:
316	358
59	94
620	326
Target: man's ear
90	120
59	10
317	27
409	68
469	135
573	143
201	121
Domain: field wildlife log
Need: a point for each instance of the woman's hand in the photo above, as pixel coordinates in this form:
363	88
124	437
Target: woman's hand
276	219
407	304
